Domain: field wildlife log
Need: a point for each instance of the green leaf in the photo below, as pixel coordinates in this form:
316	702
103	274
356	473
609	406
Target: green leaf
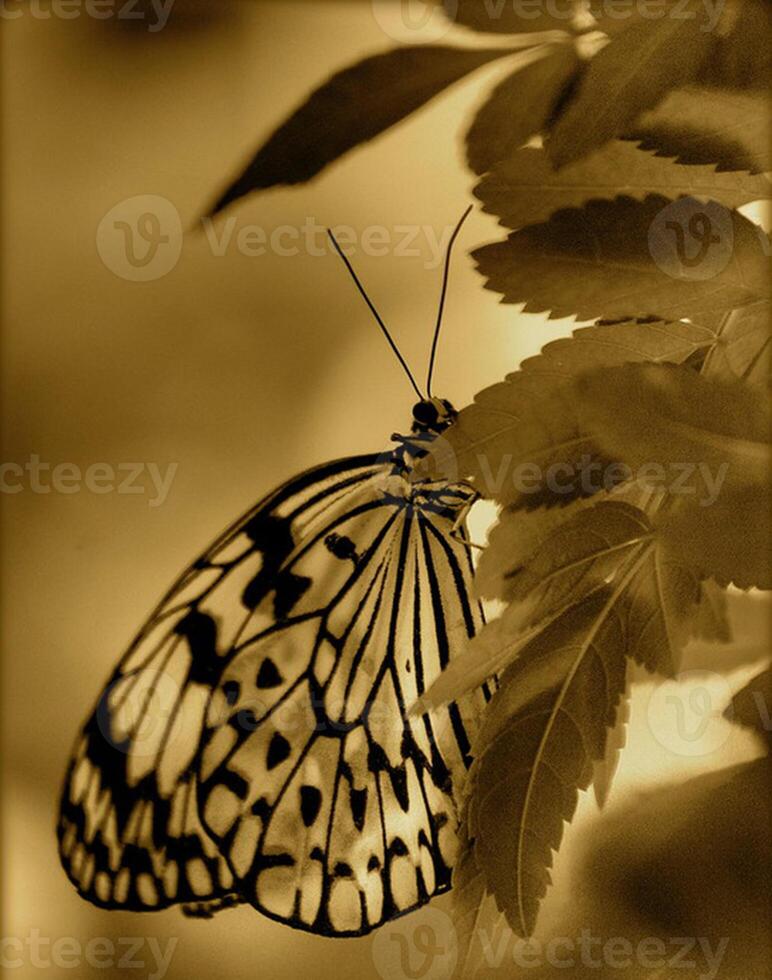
666	416
728	540
355	105
702	126
656	257
635	70
520	106
505	17
537	749
509	442
525	188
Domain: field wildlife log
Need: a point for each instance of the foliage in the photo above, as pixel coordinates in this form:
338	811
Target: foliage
618	161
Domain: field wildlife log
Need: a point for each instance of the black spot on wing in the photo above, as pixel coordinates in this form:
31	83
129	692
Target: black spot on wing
358	798
268	675
200	632
343	870
310	804
278	751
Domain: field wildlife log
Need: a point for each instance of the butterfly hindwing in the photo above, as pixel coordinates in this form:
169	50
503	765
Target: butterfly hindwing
335	810
129	831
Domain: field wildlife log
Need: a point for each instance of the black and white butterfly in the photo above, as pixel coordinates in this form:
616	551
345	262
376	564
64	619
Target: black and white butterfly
254	744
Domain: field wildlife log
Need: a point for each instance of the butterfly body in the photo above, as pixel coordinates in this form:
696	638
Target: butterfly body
254	743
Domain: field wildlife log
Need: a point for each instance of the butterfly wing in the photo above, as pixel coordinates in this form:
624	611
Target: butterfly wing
334	810
129	832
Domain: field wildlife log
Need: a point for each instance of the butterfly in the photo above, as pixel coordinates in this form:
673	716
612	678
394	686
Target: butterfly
254	743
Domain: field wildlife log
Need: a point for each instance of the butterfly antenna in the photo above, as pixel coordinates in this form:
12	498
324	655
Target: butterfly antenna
443	294
376	314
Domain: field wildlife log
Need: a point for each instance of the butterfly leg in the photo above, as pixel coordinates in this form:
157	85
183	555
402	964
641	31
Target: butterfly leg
458	531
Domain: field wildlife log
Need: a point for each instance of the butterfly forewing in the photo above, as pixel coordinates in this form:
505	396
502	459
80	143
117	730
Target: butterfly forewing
254	741
129	831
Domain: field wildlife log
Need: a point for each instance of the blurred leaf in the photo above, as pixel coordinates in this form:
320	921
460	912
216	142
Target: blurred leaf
520	106
537	749
702	126
355	105
635	70
631	258
468	898
752	706
525	188
745	348
505	17
742	57
672	417
518	429
728	540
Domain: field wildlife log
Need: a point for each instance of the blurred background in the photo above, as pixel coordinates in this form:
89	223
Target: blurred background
228	373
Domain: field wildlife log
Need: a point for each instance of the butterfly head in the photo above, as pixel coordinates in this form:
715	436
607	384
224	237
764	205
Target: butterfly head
433	415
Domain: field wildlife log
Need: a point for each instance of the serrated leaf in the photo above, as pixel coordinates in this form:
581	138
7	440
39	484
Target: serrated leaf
729	540
519	107
605	769
505	17
525	188
745	350
751	707
629	75
669	417
355	105
657	257
536	752
513	540
528	423
702	126
468	899
613	542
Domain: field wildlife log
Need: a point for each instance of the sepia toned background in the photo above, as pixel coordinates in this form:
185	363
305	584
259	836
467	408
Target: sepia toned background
238	371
